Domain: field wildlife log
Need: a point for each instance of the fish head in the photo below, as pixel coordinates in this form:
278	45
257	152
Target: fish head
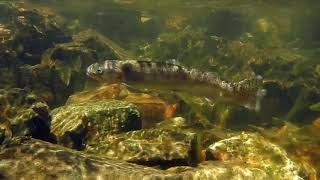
106	72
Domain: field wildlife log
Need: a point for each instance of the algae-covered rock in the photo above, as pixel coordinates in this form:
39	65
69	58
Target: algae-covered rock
152	108
149	146
258	152
78	124
34	31
104	92
35	159
24	114
68	61
300	142
5	35
32	36
63	68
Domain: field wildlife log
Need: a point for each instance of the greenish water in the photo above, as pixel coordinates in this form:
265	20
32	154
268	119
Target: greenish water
47	52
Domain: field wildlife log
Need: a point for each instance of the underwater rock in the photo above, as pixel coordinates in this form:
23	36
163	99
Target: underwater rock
39	78
316	123
78	124
35	159
300	142
152	109
175	122
5	35
29	158
69	61
24	114
34	31
149	146
257	152
104	92
63	67
7	58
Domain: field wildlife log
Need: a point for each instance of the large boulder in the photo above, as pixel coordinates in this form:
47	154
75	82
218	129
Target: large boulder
152	108
29	158
258	152
35	159
149	146
78	124
300	142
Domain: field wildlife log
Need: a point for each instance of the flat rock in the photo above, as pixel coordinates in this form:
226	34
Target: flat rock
147	146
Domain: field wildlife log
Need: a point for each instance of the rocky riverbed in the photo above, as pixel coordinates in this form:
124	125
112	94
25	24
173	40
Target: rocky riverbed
57	123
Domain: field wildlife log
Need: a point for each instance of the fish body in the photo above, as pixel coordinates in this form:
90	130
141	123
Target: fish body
173	76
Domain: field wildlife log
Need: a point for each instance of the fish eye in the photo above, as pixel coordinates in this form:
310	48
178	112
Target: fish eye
99	71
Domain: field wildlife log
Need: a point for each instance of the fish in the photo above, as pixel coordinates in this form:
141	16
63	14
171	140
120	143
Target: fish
176	77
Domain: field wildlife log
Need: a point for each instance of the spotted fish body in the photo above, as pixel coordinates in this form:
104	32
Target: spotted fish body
247	93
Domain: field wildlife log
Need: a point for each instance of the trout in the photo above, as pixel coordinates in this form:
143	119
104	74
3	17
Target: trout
171	76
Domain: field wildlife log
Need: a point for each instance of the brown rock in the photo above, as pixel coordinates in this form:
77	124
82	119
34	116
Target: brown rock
152	109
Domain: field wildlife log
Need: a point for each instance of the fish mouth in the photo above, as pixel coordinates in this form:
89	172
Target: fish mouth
88	71
94	77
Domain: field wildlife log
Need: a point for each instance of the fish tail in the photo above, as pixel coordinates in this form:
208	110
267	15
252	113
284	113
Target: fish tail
252	91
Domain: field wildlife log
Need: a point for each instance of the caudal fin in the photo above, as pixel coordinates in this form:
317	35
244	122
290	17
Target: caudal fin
252	92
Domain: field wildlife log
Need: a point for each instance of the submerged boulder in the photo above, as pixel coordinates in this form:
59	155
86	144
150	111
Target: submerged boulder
33	31
300	142
35	159
152	108
258	152
149	147
82	123
24	114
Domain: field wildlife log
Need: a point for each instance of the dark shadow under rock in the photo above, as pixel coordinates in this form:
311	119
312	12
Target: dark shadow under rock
24	114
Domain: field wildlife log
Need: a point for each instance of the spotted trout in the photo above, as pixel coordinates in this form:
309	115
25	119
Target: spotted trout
171	76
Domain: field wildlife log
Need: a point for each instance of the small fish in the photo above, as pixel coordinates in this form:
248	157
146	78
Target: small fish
172	76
